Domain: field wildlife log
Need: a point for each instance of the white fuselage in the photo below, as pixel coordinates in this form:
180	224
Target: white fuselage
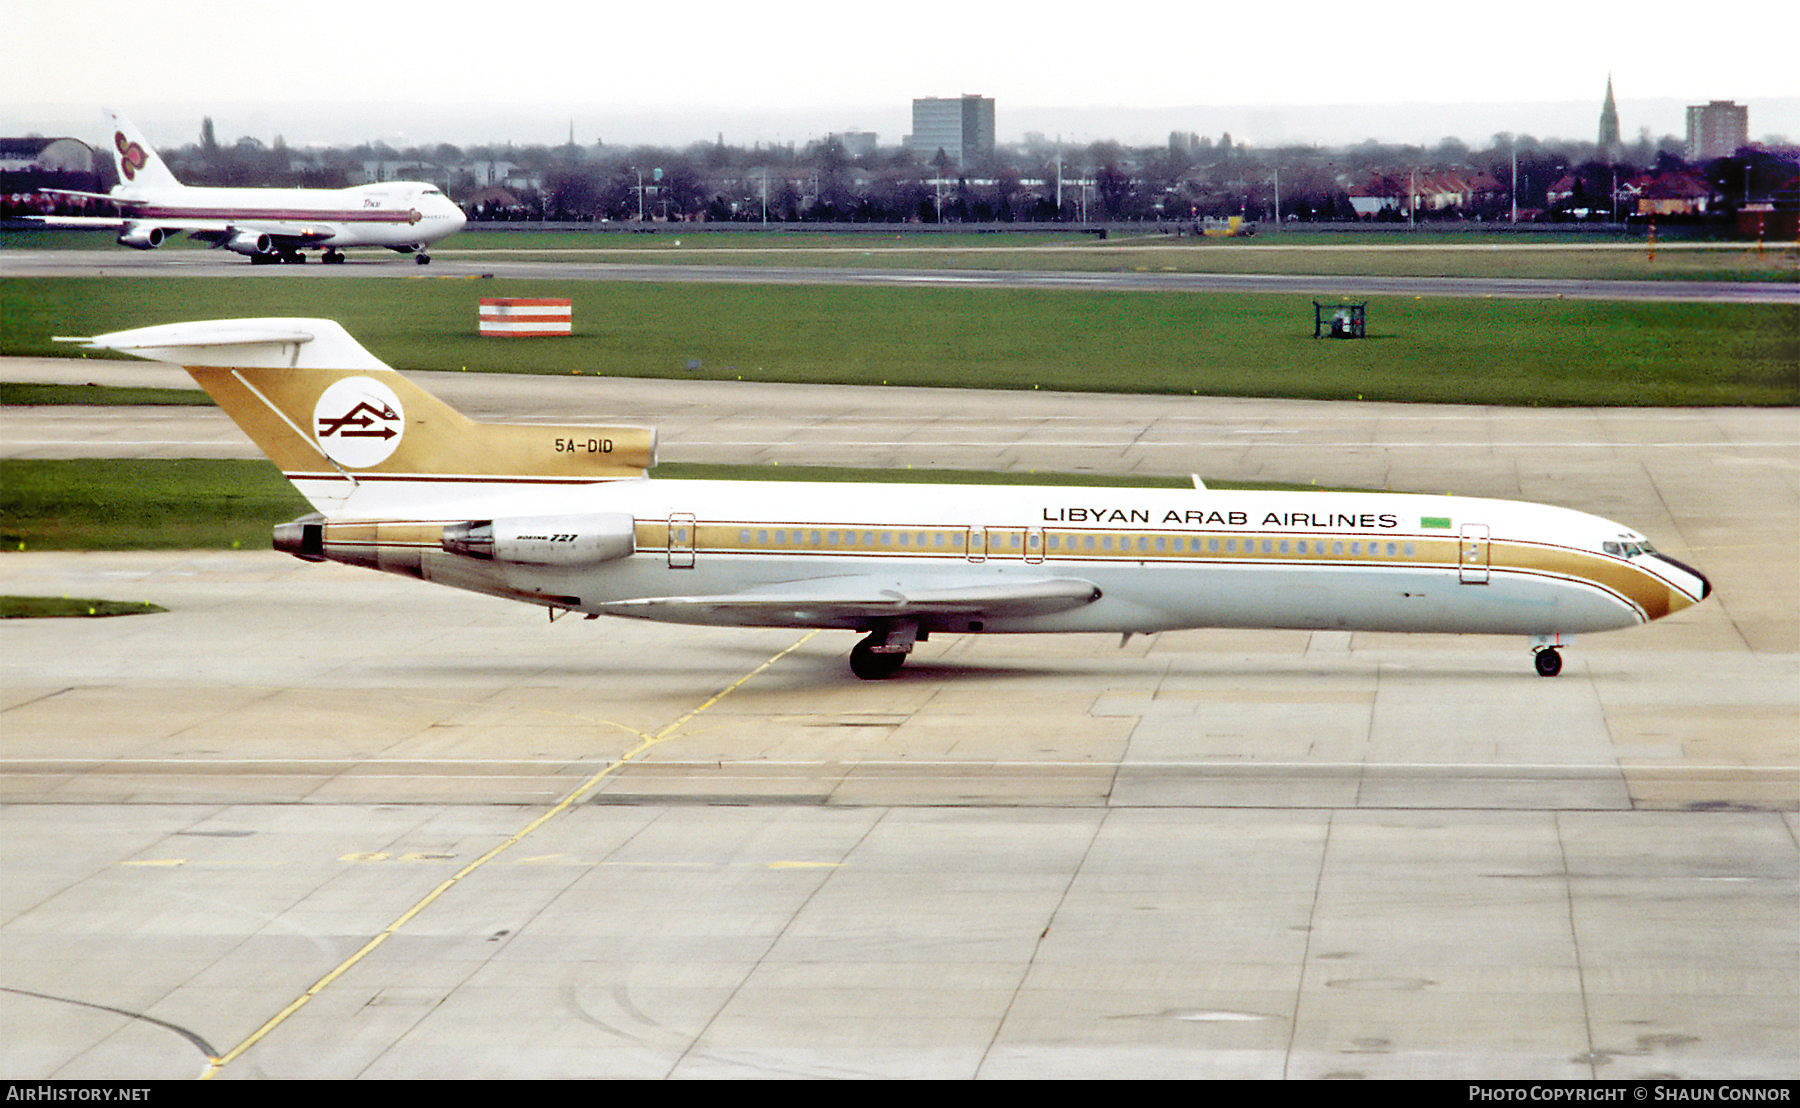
394	214
1161	559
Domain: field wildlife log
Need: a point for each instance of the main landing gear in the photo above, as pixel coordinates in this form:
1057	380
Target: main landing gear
884	651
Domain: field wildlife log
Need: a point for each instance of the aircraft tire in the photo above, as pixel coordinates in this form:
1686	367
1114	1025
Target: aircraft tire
1548	662
870	666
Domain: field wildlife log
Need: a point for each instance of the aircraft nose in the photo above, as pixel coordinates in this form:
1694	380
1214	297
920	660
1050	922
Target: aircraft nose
1705	585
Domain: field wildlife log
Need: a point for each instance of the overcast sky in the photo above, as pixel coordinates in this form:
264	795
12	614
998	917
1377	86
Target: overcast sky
338	70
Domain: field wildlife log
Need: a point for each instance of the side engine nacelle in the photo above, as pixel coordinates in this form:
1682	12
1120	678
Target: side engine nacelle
250	242
142	238
545	540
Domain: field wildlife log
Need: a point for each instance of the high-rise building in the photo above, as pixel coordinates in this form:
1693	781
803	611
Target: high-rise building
962	128
1716	130
856	144
1610	146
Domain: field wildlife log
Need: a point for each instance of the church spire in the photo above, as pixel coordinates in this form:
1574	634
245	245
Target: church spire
1610	146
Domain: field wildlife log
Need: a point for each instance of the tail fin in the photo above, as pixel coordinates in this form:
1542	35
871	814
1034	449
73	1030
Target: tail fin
356	437
139	166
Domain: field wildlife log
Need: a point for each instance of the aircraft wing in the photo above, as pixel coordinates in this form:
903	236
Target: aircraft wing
76	222
107	196
215	231
855	601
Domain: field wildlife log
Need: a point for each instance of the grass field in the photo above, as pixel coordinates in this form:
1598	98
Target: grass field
71	607
24	395
1513	352
154	504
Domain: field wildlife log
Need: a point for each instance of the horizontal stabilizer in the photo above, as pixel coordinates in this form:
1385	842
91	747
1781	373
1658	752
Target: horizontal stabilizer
276	343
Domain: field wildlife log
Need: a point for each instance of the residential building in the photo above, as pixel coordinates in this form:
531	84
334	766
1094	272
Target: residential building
1678	192
1420	190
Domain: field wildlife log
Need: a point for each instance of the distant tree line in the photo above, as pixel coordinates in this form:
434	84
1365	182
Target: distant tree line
1190	177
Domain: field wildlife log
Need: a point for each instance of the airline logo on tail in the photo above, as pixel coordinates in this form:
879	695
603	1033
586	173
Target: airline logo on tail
358	422
131	156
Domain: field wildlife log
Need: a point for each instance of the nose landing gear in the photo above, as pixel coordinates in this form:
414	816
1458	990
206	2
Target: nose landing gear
1545	655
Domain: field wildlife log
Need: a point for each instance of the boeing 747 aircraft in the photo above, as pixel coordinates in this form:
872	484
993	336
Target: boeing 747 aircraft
567	517
268	224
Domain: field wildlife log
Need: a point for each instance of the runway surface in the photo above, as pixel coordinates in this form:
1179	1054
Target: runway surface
322	822
572	267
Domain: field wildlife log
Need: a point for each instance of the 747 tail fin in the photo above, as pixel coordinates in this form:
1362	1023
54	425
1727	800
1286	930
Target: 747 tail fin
356	437
139	166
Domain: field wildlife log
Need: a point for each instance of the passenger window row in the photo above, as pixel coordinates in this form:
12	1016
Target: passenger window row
1070	543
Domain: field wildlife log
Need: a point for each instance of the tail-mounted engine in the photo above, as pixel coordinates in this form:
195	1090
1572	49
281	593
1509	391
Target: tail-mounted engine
545	540
401	546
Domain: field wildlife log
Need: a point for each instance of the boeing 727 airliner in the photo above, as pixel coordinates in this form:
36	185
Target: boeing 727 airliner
568	518
268	224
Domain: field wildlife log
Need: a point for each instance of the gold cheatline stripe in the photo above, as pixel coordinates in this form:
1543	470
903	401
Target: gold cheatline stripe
648	741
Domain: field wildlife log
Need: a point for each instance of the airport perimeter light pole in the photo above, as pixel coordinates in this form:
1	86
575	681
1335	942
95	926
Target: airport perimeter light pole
1515	184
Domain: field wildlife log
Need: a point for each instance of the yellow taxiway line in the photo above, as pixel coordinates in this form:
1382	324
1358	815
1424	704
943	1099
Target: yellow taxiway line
648	742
